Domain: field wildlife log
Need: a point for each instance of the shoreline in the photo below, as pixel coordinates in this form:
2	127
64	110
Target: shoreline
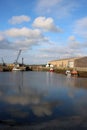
82	74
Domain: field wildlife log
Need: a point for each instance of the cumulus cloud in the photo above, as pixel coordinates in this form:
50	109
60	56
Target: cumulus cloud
73	43
19	19
1	38
4	43
46	5
72	38
73	48
22	38
59	8
80	27
23	32
77	47
46	24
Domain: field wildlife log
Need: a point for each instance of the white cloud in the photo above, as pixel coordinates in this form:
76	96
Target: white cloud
73	48
4	43
46	24
19	19
45	4
23	38
1	38
23	32
59	8
80	27
72	38
74	44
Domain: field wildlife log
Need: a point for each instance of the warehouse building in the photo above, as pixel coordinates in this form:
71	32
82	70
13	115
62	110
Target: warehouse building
76	63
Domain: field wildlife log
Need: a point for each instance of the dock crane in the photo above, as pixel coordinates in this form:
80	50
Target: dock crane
3	62
16	64
16	61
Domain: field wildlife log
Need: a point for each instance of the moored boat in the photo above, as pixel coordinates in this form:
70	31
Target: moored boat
16	69
51	70
68	72
19	68
74	73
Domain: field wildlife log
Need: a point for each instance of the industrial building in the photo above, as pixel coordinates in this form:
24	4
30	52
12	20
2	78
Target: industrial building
78	63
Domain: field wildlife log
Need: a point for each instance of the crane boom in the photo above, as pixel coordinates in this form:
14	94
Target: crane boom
18	57
3	62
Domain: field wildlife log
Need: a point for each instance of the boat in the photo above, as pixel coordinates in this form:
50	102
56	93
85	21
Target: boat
51	70
16	69
71	73
74	73
68	72
22	68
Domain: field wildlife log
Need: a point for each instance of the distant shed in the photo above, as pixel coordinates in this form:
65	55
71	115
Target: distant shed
77	62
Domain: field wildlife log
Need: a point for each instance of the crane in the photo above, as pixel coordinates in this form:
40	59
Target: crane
16	61
3	62
16	65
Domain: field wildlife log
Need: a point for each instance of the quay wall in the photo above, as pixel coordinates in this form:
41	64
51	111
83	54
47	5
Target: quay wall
82	71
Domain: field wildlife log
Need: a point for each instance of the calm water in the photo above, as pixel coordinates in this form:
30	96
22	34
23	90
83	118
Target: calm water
34	97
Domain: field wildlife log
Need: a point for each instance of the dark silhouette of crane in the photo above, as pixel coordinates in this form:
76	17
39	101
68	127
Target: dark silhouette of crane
18	66
16	61
3	62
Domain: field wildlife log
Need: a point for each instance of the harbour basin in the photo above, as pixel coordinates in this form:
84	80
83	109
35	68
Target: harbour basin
31	98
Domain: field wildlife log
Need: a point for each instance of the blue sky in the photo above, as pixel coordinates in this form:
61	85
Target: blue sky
44	30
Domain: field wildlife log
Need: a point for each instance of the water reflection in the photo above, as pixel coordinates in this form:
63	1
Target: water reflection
76	82
28	97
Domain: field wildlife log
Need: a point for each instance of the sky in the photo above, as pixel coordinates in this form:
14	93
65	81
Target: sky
44	30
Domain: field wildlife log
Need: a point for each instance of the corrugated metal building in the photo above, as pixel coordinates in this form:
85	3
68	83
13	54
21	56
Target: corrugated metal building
78	63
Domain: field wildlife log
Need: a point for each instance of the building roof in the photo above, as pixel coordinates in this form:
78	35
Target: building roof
72	58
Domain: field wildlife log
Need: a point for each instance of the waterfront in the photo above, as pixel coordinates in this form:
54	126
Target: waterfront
28	98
